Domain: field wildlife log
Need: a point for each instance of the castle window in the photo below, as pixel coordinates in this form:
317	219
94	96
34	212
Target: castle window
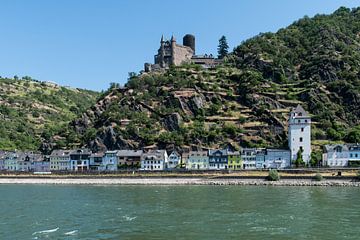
302	129
301	139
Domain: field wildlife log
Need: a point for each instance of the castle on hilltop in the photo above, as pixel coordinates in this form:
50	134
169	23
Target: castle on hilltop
171	53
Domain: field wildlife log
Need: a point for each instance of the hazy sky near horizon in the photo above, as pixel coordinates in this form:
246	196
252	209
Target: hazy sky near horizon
90	43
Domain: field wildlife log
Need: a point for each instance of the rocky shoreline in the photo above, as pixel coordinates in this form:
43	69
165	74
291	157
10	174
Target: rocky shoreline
180	181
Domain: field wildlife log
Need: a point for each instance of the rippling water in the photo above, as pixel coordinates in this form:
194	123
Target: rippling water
178	212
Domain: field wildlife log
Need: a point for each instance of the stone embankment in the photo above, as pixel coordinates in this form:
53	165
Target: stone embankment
180	181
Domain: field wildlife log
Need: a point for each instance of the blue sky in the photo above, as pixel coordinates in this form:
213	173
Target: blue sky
90	43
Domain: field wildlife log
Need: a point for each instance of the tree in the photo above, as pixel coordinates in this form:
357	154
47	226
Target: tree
223	47
299	159
315	159
114	85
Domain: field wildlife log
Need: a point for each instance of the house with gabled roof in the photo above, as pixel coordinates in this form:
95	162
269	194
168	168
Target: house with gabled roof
218	159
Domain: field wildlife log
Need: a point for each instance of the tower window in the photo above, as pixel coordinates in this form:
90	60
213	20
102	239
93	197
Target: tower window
301	139
299	121
302	129
306	120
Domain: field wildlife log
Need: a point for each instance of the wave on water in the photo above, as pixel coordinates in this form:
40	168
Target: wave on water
46	231
71	232
127	218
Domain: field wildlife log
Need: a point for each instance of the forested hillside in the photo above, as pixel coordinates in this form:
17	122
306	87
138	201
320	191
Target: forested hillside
31	112
314	62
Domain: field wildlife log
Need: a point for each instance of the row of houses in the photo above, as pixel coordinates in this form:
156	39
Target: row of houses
154	160
339	155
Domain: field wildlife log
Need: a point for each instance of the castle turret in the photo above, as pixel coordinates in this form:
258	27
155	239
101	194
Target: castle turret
300	134
189	41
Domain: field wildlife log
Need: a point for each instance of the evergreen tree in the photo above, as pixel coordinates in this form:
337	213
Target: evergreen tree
223	47
299	159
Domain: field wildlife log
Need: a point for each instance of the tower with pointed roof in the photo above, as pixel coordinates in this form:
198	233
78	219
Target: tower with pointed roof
299	136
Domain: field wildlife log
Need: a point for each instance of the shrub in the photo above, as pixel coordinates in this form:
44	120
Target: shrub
318	177
273	176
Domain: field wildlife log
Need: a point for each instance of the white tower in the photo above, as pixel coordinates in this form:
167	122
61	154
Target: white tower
300	134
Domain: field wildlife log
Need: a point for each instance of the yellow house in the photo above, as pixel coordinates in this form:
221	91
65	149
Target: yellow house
234	161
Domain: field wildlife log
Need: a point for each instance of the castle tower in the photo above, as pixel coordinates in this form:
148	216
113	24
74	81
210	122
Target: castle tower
299	136
189	41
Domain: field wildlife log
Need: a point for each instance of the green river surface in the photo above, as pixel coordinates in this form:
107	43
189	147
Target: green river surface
178	212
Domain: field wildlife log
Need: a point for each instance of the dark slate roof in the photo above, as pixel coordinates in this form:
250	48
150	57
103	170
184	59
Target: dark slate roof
81	151
223	152
132	153
196	153
154	155
299	110
175	153
330	148
59	153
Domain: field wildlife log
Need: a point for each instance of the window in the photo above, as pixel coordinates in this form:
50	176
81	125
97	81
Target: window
301	139
302	129
306	120
299	121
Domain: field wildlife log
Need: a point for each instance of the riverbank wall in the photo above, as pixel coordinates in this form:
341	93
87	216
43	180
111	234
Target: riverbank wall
183	181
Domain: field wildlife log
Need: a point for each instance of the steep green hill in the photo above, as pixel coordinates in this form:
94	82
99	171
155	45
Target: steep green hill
32	111
314	62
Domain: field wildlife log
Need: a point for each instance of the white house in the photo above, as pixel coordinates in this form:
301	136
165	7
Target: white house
277	158
198	160
174	160
248	155
299	136
341	155
154	160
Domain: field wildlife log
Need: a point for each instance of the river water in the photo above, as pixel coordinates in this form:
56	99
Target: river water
178	212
